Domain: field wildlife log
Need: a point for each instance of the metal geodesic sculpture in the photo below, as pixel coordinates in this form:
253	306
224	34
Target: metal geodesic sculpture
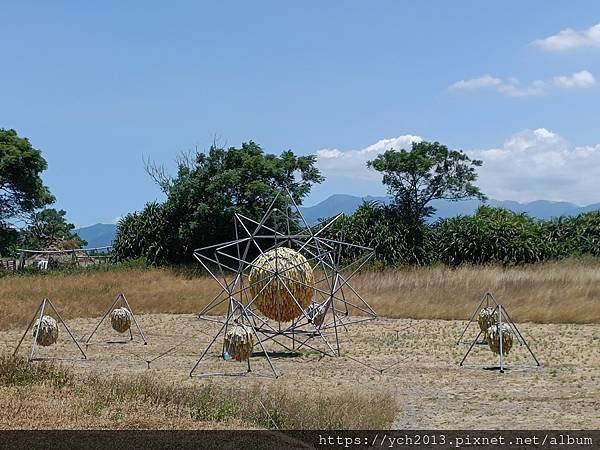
284	285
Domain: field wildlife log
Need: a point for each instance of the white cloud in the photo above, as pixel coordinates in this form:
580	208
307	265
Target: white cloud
352	163
513	87
569	39
540	164
530	165
581	79
476	83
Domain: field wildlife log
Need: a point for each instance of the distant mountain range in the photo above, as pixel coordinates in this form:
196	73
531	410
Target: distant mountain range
541	209
102	234
98	235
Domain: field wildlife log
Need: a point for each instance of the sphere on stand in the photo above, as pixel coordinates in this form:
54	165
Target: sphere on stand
282	284
120	319
239	342
48	331
493	338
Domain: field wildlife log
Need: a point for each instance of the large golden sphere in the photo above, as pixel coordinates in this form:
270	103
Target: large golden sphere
287	275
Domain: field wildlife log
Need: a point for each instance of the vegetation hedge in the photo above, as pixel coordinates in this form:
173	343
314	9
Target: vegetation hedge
490	236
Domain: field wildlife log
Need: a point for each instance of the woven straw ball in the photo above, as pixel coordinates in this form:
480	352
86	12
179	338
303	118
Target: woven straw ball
316	312
277	277
48	333
120	319
486	318
493	338
239	342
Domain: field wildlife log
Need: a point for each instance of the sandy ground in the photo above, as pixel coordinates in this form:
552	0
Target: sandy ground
415	360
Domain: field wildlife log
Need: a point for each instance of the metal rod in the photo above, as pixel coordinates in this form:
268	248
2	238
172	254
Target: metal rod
108	310
134	319
471	319
66	328
499	307
28	327
37	331
470	348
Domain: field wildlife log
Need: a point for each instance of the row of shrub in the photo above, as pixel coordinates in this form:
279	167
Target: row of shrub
491	235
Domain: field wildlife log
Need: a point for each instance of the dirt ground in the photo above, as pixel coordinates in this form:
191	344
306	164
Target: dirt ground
416	360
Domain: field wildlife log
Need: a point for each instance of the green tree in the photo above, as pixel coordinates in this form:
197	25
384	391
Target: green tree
429	171
379	226
9	240
207	191
491	235
146	234
49	228
574	236
22	190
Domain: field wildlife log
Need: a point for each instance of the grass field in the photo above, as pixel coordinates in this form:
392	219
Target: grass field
50	395
565	292
421	385
556	306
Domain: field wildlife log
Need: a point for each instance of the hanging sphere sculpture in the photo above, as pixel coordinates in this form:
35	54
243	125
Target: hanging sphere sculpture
486	318
239	342
120	319
493	338
282	283
48	331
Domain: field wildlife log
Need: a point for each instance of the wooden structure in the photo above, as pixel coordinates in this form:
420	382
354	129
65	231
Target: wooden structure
50	258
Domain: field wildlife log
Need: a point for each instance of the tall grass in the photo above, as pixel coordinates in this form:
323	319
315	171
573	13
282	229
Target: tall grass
262	406
567	291
554	292
17	371
88	294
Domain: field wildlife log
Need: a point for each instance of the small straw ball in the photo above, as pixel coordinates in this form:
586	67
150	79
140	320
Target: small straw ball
48	331
493	338
120	319
239	342
487	318
316	313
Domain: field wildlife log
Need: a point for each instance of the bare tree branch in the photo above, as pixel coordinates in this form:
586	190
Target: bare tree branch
159	174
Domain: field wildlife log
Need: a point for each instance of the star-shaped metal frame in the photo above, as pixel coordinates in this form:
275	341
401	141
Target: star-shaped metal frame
335	300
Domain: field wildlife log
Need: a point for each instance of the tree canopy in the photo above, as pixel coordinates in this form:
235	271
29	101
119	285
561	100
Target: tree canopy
22	190
426	172
49	228
204	195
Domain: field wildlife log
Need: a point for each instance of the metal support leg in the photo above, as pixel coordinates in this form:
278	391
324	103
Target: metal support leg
499	308
28	328
67	328
37	332
471	347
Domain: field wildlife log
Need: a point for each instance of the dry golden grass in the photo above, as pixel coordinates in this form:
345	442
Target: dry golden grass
44	395
88	294
559	292
426	386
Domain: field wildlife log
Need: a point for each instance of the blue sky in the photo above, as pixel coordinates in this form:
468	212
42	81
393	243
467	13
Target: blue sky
98	87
